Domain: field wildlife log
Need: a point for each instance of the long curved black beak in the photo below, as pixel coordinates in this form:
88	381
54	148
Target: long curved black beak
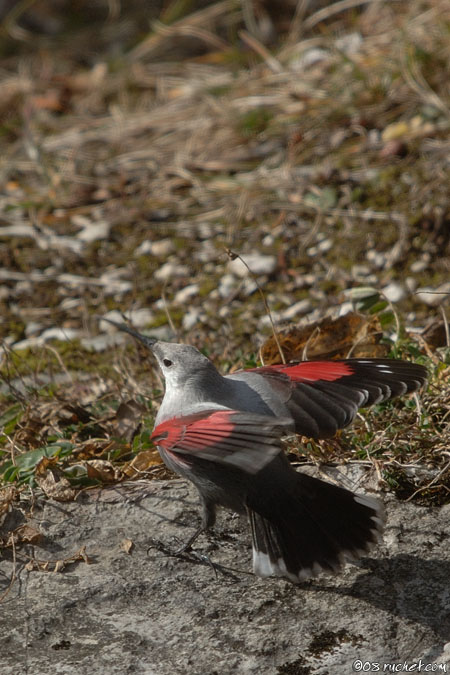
147	341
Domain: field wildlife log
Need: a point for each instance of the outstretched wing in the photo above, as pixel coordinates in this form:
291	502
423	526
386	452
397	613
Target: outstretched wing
324	396
245	440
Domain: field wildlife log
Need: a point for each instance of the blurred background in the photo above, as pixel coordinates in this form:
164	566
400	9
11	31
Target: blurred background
139	140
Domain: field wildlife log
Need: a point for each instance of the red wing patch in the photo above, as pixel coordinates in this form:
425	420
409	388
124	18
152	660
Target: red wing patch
247	441
196	431
310	371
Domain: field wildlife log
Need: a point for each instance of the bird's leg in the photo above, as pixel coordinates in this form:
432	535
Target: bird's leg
185	551
186	547
208	520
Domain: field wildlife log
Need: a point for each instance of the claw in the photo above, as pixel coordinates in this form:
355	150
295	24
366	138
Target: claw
186	553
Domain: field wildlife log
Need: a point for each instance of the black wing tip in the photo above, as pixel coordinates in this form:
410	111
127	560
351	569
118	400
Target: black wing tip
382	371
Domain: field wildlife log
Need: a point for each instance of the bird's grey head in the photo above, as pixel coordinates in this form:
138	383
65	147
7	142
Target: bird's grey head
180	364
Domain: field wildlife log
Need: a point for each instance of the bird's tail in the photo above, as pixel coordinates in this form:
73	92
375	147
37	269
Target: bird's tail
311	527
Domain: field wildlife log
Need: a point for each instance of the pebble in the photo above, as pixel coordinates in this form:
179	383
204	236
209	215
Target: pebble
359	271
193	316
90	231
322	247
139	317
394	292
419	266
434	296
183	295
62	334
160	249
300	307
32	328
227	285
376	258
259	264
100	343
170	270
411	284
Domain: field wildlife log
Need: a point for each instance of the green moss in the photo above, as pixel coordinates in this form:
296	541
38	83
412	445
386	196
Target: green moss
34	360
254	122
206	287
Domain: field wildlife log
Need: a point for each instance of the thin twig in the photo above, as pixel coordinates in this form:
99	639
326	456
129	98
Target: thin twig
262	51
446	327
331	10
233	256
167	312
313	335
432	482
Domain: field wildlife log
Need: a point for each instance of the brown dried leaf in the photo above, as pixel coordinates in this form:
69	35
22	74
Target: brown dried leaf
352	334
7	496
142	462
24	534
27	534
43	465
53	482
59	566
128	419
93	448
126	545
435	334
103	470
82	555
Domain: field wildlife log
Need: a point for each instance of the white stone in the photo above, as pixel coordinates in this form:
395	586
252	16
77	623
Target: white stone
258	263
160	249
394	292
434	296
193	316
90	230
183	295
62	334
359	271
419	266
300	307
325	245
376	258
227	285
32	328
170	270
249	287
411	284
100	343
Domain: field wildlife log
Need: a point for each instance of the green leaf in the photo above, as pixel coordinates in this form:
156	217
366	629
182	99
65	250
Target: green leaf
24	465
9	419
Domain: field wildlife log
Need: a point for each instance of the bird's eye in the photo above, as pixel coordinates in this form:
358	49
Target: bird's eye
167	362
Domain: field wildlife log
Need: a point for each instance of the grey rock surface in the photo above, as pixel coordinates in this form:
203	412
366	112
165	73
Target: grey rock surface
146	612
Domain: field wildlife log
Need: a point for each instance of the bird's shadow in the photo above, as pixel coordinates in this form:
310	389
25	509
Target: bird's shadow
403	585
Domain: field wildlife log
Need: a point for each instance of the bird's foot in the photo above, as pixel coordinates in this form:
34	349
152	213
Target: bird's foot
185	552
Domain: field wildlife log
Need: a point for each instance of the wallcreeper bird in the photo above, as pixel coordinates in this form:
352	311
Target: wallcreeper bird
224	434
